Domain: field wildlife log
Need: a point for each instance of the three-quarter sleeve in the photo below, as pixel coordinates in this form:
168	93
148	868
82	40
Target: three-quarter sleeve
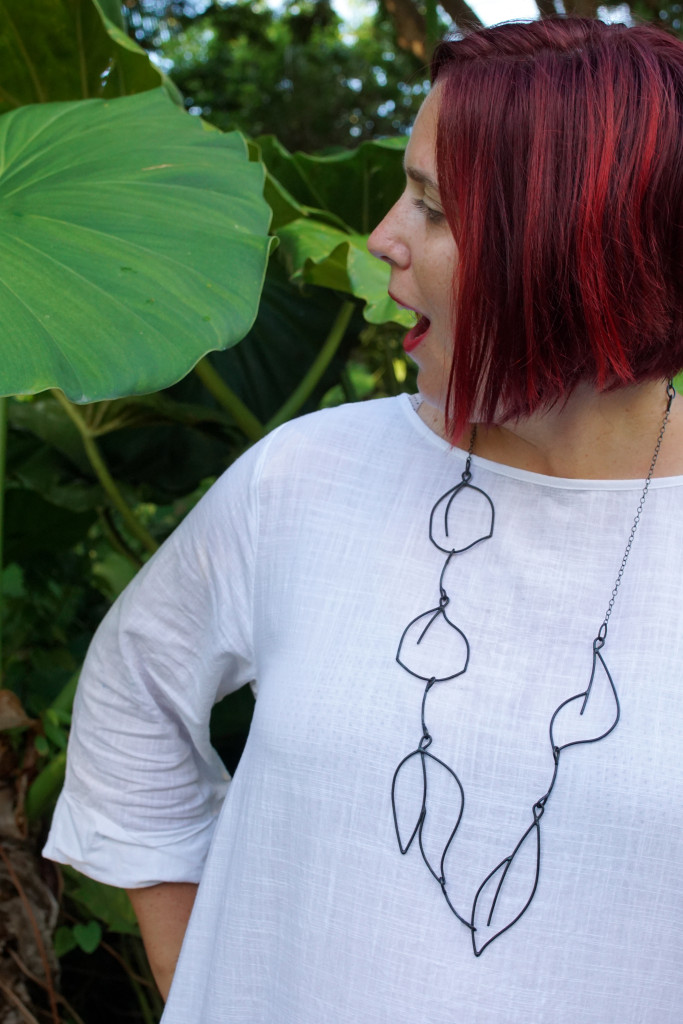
143	785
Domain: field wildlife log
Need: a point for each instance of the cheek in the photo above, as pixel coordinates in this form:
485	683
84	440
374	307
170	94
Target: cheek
442	277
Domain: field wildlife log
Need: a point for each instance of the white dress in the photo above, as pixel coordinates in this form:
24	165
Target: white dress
300	569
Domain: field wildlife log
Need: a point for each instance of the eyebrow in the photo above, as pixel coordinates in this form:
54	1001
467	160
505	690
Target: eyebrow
421	178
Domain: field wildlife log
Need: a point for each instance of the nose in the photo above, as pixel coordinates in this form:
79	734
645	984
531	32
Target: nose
387	240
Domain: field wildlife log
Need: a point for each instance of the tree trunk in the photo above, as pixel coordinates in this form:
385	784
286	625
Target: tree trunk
582	8
410	26
461	13
547	8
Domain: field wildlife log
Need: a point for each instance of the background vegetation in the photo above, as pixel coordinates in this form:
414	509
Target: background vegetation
136	253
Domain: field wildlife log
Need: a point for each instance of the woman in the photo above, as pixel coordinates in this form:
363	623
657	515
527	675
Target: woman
464	620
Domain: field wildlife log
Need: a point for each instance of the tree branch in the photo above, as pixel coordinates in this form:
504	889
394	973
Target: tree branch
546	8
462	14
410	26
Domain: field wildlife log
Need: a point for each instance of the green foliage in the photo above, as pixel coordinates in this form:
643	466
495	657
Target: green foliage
89	251
324	256
294	73
338	199
134	241
86	936
108	905
355	187
80	51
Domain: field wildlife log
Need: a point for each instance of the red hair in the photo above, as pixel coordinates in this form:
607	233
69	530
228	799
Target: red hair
560	165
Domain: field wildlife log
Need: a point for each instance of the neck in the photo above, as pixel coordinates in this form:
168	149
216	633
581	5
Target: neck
594	435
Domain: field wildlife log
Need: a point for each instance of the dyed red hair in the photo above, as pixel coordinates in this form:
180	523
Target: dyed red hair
560	165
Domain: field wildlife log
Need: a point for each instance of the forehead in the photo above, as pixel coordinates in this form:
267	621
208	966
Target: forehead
420	155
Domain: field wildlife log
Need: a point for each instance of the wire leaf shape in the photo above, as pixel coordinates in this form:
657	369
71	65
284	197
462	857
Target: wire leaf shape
506	893
461	518
591	715
432	640
418	773
587	717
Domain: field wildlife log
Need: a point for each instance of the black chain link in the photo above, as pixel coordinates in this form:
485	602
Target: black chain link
670	393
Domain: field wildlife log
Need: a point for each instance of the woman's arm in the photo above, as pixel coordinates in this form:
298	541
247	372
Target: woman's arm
144	786
163	912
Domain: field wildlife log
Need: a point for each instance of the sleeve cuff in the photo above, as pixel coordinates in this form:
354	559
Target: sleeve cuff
100	849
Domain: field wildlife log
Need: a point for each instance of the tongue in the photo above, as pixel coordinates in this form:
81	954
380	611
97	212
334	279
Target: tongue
415	334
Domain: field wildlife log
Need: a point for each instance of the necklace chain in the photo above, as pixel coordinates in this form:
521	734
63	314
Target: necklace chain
670	394
568	713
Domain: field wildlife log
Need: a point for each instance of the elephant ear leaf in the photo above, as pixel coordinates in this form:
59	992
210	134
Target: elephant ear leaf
55	50
132	242
324	255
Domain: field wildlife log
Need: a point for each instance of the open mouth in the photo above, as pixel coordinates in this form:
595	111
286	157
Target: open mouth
416	333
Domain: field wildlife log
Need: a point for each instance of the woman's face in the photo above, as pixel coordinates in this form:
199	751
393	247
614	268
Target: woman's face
415	240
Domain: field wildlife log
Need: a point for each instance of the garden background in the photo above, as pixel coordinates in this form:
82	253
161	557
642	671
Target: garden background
185	193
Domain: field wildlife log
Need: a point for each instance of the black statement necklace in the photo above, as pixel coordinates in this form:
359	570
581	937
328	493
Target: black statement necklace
481	918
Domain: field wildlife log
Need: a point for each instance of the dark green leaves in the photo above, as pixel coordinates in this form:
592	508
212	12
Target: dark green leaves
67	49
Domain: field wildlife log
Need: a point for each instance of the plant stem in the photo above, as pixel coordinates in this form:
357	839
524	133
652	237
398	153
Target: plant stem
228	400
104	476
316	369
3	466
115	539
347	386
432	26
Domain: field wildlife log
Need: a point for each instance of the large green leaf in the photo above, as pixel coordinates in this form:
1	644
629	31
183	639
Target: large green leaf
289	332
132	242
338	198
166	461
322	255
69	49
284	206
358	185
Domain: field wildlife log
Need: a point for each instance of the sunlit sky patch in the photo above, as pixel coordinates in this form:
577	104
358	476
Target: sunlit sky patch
490	11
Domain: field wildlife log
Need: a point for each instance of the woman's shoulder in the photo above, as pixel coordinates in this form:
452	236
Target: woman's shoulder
345	441
350	418
360	429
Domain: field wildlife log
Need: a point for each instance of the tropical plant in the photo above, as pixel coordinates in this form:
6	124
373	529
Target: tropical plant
135	241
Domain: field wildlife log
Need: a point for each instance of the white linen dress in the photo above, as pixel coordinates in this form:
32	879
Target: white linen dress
300	570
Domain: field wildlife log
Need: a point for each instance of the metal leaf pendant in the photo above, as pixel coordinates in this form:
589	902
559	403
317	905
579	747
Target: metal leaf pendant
434	649
432	642
507	891
461	518
418	774
591	715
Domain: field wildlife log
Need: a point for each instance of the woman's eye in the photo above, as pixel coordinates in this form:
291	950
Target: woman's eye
430	212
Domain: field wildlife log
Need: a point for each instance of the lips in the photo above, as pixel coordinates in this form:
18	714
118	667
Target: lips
416	333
